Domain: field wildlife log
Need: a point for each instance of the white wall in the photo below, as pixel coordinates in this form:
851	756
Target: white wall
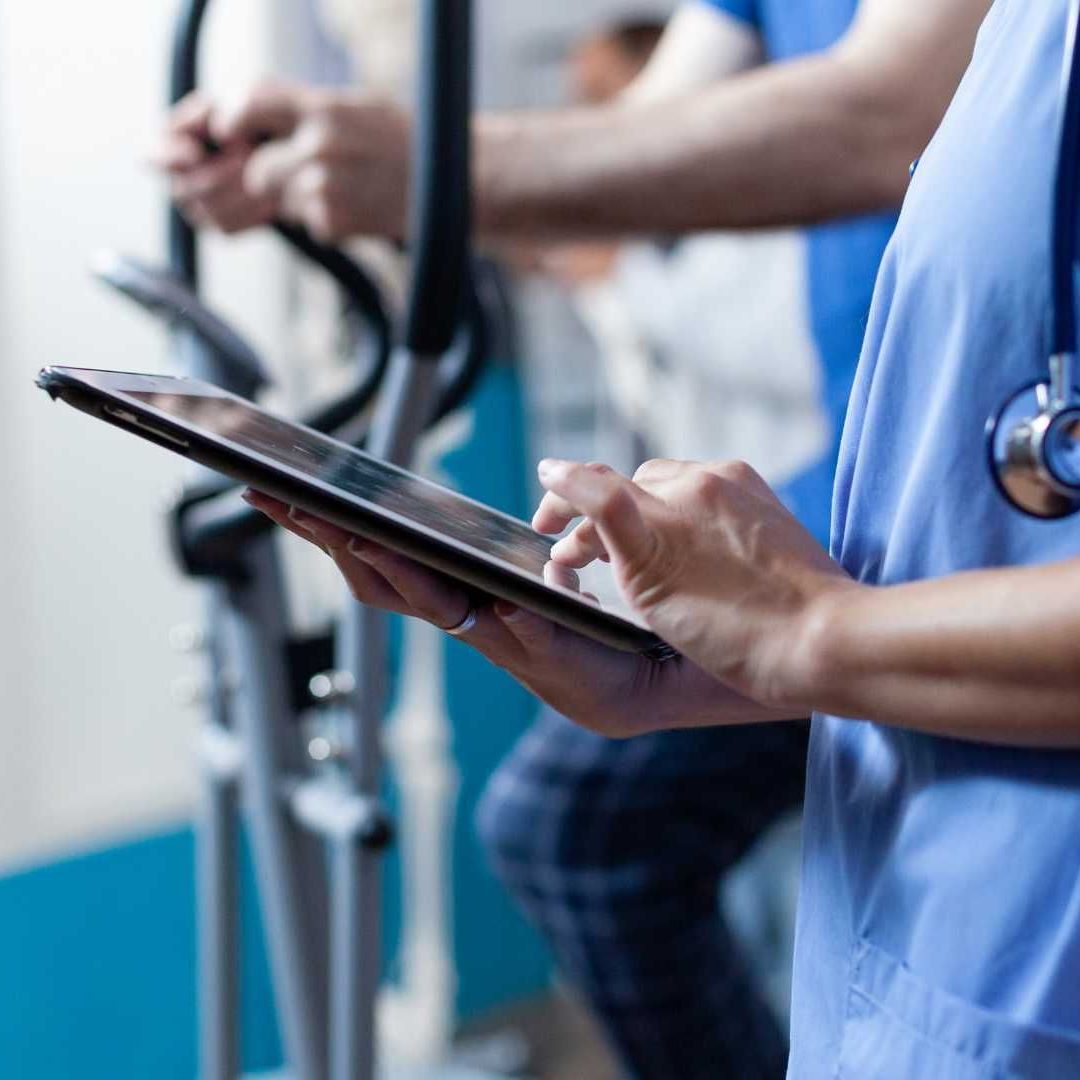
90	742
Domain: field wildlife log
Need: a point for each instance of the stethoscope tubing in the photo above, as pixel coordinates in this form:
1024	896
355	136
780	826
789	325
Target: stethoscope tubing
1065	221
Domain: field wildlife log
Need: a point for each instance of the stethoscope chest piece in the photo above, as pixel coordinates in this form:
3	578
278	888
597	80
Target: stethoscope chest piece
1033	443
1034	448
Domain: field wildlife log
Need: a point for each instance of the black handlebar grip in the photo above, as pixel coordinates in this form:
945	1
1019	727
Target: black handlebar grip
363	293
183	78
440	211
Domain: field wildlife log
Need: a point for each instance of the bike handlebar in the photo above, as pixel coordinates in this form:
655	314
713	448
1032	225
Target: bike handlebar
440	211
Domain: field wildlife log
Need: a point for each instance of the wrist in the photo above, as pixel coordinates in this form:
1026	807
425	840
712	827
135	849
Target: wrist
819	649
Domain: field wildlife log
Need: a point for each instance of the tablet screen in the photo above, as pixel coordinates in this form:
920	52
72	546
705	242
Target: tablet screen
403	495
322	458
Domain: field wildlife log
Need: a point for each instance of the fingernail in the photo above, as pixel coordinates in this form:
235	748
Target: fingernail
546	467
248	497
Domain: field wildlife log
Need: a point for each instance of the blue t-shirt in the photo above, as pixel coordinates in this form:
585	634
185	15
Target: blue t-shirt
843	255
939	920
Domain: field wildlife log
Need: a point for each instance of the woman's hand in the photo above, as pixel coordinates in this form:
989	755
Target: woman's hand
614	693
709	557
712	561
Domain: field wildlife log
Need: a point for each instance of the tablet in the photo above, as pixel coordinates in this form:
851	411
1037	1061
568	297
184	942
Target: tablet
491	553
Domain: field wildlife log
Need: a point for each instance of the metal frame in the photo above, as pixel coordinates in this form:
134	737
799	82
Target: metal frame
317	829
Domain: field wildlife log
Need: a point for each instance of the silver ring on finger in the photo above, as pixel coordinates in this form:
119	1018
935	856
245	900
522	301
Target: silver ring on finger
465	625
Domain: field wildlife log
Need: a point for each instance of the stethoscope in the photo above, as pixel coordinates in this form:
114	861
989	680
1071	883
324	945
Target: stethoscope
1033	441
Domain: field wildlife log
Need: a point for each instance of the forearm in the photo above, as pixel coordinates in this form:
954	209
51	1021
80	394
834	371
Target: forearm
725	157
789	143
991	656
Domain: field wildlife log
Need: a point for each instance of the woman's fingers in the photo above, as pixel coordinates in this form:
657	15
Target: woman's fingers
439	601
584	544
581	547
535	634
553	514
367	585
556	663
429	595
418	591
281	514
610	501
365	580
556	511
562	577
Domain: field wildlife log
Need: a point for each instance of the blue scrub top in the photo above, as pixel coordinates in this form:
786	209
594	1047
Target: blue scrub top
843	256
939	923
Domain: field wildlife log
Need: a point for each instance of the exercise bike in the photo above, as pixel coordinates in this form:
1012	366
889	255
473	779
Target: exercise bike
291	741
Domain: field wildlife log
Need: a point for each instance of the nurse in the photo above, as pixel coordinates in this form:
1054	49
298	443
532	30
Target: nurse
938	647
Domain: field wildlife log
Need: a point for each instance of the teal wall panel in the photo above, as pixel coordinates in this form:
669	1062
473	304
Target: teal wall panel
499	956
98	974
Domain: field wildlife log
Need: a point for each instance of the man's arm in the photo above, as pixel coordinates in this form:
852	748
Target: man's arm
788	143
329	153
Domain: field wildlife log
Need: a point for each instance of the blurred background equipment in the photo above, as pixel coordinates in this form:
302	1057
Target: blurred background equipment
97	976
101	789
319	831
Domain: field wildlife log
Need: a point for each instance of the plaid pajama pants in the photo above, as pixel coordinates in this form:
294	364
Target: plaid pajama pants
615	851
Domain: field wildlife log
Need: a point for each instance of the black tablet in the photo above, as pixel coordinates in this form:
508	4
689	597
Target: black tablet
495	555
